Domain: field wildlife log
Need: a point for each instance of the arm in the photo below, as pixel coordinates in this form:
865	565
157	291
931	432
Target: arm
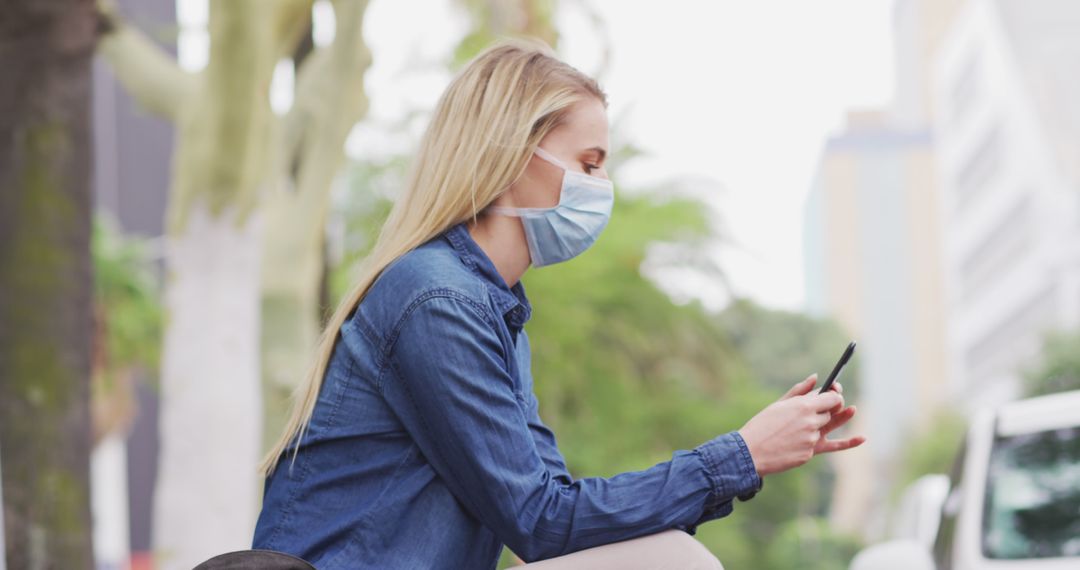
542	434
446	378
546	445
549	452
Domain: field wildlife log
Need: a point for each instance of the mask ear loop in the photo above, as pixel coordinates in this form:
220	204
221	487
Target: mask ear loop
504	210
550	158
509	211
588	178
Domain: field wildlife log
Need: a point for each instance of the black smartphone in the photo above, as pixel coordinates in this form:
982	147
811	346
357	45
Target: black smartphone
839	366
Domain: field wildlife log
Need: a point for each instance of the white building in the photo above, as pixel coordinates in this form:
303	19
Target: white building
873	262
1006	95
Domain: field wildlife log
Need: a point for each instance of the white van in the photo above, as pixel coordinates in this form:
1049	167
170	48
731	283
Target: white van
1013	499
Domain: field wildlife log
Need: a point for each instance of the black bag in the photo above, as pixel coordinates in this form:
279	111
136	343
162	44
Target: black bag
255	560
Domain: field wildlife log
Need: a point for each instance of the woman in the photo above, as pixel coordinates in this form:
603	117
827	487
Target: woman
422	446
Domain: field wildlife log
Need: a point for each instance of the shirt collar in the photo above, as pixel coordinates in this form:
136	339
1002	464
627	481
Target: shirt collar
511	301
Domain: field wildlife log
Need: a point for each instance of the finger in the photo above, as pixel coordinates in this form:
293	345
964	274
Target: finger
822	419
825	402
839	390
801	388
838	420
831	445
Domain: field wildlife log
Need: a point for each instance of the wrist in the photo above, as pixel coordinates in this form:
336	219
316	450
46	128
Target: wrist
751	468
730	470
752	450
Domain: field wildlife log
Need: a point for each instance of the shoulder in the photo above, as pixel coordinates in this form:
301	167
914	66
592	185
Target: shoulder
430	272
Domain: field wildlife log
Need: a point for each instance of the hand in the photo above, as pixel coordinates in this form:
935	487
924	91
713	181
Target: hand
830	445
790	431
840	416
807	385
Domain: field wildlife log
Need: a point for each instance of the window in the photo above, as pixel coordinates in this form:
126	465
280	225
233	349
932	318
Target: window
999	251
979	168
1008	344
1032	507
965	88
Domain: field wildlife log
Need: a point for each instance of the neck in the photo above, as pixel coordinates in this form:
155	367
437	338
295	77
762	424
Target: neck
503	240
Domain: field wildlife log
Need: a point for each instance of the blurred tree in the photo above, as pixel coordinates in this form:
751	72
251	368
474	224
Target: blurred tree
932	450
46	281
1059	367
493	19
776	349
809	542
611	349
783	347
245	230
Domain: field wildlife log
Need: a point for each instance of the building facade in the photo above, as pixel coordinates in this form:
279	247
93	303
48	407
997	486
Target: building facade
1006	89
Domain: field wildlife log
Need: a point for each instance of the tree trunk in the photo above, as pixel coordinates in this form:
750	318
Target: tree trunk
231	153
45	281
206	496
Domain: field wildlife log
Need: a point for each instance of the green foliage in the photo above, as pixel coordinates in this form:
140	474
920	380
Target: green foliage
783	348
1059	368
611	350
933	451
127	295
493	21
809	542
362	210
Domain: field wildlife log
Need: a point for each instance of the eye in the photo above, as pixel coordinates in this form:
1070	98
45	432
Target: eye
589	167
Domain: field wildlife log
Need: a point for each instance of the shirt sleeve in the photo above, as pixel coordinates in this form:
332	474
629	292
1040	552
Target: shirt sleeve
447	379
729	462
546	445
545	440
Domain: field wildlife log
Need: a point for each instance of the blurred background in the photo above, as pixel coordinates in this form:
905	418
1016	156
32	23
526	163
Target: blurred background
188	185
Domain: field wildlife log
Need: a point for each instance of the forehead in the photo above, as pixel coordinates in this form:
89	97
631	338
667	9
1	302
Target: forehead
586	125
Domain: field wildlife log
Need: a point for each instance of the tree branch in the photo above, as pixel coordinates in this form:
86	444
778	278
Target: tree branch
292	19
330	83
147	72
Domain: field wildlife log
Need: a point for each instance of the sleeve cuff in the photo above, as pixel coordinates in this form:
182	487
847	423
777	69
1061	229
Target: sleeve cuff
749	465
730	467
731	473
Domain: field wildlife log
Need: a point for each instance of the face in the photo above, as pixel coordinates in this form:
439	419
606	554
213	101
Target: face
581	143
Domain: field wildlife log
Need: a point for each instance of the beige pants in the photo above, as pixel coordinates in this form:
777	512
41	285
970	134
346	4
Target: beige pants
671	549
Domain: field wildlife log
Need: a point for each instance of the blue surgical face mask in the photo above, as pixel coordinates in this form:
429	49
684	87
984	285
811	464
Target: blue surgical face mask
563	231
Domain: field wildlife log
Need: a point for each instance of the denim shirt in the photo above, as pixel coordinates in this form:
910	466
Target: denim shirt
426	448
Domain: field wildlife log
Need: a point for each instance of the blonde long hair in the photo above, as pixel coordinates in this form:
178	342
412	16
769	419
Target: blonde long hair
484	129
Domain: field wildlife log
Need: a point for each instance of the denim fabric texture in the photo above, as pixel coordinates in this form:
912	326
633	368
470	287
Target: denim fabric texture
426	448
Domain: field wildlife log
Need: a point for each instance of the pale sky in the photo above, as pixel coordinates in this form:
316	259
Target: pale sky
742	94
